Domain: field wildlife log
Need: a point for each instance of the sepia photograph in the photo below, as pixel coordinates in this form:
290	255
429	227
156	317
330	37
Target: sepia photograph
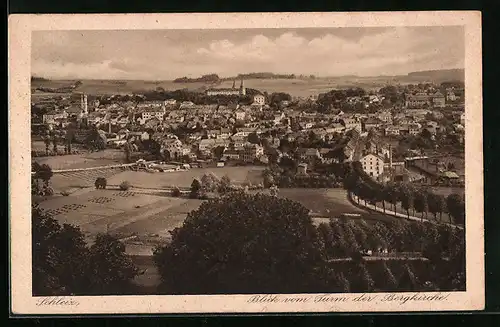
284	165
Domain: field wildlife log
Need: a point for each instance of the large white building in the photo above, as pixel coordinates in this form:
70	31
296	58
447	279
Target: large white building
226	91
373	165
259	99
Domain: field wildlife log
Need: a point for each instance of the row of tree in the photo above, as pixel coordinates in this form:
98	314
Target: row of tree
420	200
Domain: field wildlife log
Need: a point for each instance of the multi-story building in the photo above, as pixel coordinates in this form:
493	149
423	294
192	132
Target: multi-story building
373	165
259	99
438	100
251	152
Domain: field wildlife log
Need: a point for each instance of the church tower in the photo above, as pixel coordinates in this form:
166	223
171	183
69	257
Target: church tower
243	90
83	104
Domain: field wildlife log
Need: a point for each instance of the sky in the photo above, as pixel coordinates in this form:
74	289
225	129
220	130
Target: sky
169	54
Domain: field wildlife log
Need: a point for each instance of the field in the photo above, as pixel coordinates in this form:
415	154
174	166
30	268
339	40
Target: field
83	160
184	178
295	87
122	213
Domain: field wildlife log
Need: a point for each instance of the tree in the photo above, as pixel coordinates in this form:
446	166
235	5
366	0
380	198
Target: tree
46	139
343	283
441	205
210	183
58	256
436	203
218	152
225	184
421	202
456	208
407	196
391	281
408	281
112	270
176	192
100	183
242	243
391	194
195	189
64	265
364	282
253	138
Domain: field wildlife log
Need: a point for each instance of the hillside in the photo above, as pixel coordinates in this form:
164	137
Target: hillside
439	75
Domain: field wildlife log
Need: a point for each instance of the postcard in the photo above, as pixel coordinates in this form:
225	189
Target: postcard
245	163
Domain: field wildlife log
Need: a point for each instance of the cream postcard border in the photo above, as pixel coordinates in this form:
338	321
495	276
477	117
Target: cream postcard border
20	28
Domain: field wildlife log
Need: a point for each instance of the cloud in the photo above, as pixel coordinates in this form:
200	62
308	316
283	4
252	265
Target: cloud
167	54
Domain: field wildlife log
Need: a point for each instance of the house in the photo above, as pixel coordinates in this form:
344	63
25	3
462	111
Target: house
351	123
251	152
139	135
306	125
51	116
391	130
123	133
385	116
240	114
186	104
437	115
451	96
238	140
302	169
245	131
259	99
170	102
206	145
309	154
123	120
231	154
225	133
418	100
335	128
373	165
438	100
278	118
152	123
213	133
320	133
371	123
149	113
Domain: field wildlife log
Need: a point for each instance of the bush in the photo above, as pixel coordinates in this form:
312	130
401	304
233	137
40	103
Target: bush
176	192
100	183
125	185
64	193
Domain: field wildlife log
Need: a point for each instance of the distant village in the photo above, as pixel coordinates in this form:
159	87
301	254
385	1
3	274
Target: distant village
405	126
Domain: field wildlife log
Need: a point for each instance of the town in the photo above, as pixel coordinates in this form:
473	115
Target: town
369	165
411	132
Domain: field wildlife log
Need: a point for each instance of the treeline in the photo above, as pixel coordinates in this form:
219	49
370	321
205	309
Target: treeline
209	78
441	250
331	177
264	75
420	200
